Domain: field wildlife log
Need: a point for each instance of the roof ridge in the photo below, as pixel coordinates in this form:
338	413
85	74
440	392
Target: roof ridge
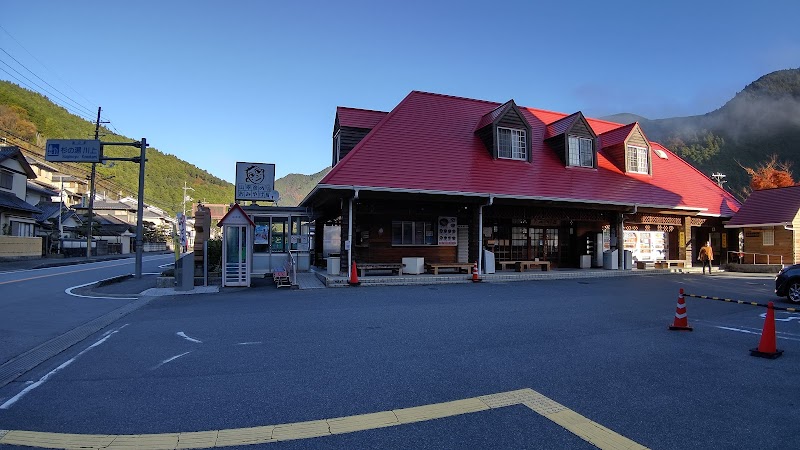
335	169
728	194
362	109
457	97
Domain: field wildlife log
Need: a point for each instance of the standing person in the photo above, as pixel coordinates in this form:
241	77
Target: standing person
706	255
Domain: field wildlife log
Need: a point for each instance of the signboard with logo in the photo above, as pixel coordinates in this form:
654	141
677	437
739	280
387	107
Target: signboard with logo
73	150
448	234
255	181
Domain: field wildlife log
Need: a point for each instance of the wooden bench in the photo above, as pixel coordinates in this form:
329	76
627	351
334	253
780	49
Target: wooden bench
645	264
667	263
521	266
435	267
364	267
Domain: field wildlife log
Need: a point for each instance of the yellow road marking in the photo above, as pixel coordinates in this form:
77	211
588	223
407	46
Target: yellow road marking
591	432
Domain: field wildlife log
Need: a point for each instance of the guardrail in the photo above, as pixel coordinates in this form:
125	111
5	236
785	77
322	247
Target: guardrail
754	258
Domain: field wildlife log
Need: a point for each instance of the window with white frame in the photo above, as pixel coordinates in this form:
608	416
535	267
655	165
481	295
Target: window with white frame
511	143
581	153
637	159
337	144
768	237
406	232
6	179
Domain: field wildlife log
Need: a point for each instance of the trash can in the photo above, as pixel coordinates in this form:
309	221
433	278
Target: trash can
488	261
610	260
586	261
628	260
334	263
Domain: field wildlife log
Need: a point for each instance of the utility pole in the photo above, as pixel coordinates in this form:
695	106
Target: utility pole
185	197
91	190
718	177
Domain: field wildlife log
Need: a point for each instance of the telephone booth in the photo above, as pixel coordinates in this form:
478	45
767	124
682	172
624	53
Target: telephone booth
237	255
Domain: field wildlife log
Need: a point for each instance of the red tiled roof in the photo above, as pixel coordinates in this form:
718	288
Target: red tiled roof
616	136
777	206
492	115
358	118
429	142
560	126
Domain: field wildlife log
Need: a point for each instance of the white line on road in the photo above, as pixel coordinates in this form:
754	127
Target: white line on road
69	292
777	335
41	381
183	335
132	260
170	359
249	343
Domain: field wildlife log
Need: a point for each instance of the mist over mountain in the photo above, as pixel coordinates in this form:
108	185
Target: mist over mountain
761	120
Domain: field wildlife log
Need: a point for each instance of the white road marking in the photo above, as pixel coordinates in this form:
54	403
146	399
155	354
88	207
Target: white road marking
183	335
249	343
170	359
86	264
785	319
41	381
778	335
69	292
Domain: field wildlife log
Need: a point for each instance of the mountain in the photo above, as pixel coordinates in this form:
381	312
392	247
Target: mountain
761	120
294	187
28	119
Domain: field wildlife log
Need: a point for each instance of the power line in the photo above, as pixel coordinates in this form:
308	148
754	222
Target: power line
27	86
81	114
43	65
45	82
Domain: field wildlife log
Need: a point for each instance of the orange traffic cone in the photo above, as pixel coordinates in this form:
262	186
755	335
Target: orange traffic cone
767	346
475	277
354	275
681	322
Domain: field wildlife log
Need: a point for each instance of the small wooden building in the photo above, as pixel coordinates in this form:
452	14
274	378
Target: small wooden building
768	224
446	178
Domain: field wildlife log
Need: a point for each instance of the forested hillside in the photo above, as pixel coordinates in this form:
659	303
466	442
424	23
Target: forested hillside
761	120
28	119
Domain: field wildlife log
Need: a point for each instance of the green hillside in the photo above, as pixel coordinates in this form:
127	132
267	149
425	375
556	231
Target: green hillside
28	119
761	120
294	187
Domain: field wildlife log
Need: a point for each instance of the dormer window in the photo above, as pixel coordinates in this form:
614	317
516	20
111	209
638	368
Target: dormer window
637	161
581	153
511	144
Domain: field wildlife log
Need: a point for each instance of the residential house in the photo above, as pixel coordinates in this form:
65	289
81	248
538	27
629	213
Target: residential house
443	177
769	226
16	215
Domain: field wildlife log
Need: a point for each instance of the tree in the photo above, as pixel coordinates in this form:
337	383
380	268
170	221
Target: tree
697	148
770	174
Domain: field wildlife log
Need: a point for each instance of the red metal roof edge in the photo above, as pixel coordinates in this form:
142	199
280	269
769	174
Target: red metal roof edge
366	139
236	206
727	194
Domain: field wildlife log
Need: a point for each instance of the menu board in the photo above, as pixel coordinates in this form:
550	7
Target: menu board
447	231
646	245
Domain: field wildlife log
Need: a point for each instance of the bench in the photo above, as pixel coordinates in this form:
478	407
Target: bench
667	263
645	264
521	266
364	267
435	267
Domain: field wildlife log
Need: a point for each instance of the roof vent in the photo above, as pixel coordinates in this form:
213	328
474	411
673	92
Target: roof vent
661	153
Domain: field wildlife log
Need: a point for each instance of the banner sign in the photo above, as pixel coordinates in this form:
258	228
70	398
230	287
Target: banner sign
255	181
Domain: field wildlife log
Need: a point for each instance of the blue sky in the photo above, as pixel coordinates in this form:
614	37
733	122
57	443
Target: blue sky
259	81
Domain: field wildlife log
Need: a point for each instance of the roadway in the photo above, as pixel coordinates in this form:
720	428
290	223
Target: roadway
598	349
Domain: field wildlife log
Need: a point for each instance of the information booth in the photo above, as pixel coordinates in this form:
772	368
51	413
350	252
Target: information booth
237	255
280	232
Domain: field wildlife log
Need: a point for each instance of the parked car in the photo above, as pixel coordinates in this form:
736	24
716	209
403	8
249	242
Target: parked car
787	283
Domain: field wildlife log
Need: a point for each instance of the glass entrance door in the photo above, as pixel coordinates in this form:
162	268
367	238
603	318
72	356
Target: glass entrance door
236	272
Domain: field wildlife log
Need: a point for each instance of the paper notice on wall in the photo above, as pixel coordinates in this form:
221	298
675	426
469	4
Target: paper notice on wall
447	227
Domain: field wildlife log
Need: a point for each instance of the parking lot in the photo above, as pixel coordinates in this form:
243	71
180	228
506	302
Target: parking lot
598	348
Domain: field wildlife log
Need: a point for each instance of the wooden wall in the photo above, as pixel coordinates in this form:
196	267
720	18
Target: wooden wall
784	245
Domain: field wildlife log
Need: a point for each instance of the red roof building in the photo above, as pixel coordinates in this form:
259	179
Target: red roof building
523	182
769	221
